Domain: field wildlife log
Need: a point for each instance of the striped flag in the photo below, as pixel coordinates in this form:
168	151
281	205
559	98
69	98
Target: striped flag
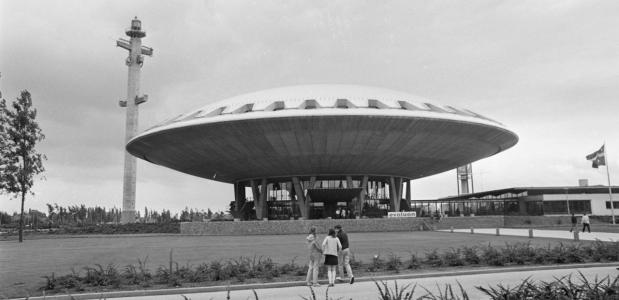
597	158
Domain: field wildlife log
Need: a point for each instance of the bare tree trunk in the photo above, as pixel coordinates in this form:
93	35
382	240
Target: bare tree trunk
21	217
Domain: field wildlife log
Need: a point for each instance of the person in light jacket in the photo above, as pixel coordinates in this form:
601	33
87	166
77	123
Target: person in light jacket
315	254
585	223
330	247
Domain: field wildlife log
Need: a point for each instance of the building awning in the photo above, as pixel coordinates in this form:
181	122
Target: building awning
333	195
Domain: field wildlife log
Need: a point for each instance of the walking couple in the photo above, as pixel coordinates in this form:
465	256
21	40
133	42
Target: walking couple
334	245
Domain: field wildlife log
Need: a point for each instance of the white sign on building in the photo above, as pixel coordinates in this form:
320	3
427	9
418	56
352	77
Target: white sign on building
402	214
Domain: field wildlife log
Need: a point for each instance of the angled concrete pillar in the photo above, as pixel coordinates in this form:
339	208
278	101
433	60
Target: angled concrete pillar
239	199
294	205
312	182
264	193
260	198
408	194
301	199
395	192
361	198
349	182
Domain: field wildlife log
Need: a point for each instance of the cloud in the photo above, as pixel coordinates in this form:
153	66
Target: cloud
547	70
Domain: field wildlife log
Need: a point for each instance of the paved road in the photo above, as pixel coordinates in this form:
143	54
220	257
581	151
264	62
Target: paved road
367	290
559	234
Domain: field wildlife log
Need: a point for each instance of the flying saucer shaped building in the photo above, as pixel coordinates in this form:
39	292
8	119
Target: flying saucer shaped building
320	150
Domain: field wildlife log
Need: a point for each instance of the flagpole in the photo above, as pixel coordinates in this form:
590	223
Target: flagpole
610	192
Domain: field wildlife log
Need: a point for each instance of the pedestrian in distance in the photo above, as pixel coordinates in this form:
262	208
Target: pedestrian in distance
574	222
315	254
344	257
585	223
330	248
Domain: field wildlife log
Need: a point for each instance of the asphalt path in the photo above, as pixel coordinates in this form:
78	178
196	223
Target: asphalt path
537	233
367	290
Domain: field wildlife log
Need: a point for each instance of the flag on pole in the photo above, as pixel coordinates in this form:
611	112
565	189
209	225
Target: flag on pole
597	158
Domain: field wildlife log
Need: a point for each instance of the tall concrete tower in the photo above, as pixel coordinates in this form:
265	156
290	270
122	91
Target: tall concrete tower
134	61
465	179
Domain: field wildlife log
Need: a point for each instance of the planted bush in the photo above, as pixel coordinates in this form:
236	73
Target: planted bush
414	262
452	257
394	263
433	258
492	256
470	255
243	268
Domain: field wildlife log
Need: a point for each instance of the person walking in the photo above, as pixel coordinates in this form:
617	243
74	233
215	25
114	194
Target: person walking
344	258
315	254
330	247
574	222
585	223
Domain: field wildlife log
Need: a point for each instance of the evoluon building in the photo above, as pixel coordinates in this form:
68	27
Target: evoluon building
320	151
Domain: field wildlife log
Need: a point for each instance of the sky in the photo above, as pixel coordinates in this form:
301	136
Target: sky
548	70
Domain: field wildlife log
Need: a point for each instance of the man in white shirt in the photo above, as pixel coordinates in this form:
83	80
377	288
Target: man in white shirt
585	223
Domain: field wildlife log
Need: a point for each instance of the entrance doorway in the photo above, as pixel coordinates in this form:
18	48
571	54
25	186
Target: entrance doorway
335	203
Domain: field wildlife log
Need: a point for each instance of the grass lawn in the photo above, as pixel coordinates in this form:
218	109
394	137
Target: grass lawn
23	265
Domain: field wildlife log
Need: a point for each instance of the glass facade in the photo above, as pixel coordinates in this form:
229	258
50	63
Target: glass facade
507	202
281	202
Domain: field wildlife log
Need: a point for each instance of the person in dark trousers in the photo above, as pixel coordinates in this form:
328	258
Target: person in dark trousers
344	257
585	223
574	222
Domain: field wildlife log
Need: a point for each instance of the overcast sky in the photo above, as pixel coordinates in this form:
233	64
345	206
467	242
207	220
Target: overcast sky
548	70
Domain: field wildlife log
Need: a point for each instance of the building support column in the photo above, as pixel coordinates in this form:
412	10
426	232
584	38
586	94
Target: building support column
408	194
239	199
349	182
260	198
395	185
361	198
294	204
301	199
312	182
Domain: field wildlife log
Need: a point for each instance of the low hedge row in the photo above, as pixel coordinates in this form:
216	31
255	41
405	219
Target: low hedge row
265	269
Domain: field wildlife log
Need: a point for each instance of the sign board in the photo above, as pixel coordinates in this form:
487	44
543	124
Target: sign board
402	214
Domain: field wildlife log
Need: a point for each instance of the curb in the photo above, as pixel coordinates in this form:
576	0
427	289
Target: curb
257	286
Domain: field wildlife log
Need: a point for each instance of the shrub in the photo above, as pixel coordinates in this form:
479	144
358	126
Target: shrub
492	256
377	263
394	263
139	275
470	255
50	282
433	258
560	288
518	253
414	262
201	273
355	263
71	281
403	293
100	276
452	257
289	268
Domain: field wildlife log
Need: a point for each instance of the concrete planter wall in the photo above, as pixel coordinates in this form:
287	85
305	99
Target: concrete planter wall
367	225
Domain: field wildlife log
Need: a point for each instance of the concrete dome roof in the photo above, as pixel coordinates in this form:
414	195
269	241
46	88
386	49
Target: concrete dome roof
280	132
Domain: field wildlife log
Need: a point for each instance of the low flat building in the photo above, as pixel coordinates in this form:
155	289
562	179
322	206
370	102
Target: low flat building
531	201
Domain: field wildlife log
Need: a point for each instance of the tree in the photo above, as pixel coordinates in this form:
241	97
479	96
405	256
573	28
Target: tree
22	161
6	147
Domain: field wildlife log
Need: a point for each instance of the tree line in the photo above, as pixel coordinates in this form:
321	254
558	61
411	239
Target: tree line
80	215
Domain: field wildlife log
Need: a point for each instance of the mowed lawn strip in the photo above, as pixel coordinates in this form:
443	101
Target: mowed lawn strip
24	265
